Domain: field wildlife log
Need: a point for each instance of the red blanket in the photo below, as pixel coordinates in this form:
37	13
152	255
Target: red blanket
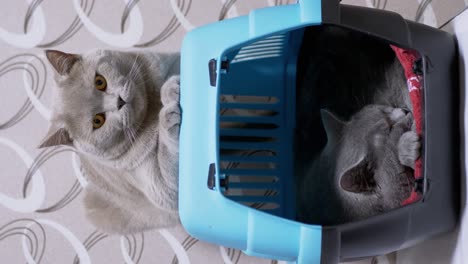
408	59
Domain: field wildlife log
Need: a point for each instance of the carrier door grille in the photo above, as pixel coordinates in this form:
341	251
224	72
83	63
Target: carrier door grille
256	124
249	153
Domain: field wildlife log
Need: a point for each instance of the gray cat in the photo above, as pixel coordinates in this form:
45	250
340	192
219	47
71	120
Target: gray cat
364	169
343	70
120	111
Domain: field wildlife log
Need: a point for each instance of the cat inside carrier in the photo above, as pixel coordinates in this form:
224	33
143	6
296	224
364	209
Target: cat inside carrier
318	132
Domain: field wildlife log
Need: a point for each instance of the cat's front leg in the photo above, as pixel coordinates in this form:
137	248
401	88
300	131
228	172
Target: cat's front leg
170	91
408	142
168	149
409	148
168	154
170	115
169	121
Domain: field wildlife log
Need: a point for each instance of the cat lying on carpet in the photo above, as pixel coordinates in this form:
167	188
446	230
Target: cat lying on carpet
364	169
120	111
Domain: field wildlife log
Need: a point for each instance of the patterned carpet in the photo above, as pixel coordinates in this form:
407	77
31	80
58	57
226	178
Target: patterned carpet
41	215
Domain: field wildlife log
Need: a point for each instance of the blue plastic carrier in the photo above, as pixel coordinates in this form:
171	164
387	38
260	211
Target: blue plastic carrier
248	65
265	68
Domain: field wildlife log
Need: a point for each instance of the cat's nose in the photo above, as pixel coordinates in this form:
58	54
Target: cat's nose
120	103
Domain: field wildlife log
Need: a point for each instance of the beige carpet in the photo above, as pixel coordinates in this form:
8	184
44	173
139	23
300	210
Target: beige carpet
41	216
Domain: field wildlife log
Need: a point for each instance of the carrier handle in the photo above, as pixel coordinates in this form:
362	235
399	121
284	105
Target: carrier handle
330	9
331	246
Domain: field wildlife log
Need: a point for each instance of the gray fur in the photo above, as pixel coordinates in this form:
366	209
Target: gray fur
367	144
409	147
342	71
131	162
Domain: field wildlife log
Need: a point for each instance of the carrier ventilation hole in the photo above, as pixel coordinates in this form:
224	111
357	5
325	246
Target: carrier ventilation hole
270	47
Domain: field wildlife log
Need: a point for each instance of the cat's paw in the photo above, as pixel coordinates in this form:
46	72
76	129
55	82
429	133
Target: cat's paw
409	148
170	91
169	120
395	115
402	124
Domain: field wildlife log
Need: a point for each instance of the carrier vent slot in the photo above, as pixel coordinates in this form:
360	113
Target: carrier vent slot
254	179
249	125
231	136
248	148
251	164
235	170
270	47
250	119
268	158
247	102
269	207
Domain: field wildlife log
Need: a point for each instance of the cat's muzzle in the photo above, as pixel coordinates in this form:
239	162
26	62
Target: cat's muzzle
121	103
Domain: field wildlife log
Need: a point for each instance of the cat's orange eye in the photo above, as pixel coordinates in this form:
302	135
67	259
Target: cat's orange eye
100	82
99	120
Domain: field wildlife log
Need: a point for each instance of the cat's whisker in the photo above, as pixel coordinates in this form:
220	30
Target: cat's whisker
133	133
126	135
138	72
141	73
130	74
135	73
144	73
129	137
142	82
137	128
132	136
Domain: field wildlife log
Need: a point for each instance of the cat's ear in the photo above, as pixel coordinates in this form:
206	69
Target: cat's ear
359	177
61	61
332	124
56	137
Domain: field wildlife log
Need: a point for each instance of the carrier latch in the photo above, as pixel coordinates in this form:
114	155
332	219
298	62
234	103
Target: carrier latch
419	185
212	70
211	177
418	67
211	183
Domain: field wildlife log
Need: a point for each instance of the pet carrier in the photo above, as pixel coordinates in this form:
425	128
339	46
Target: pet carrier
248	65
